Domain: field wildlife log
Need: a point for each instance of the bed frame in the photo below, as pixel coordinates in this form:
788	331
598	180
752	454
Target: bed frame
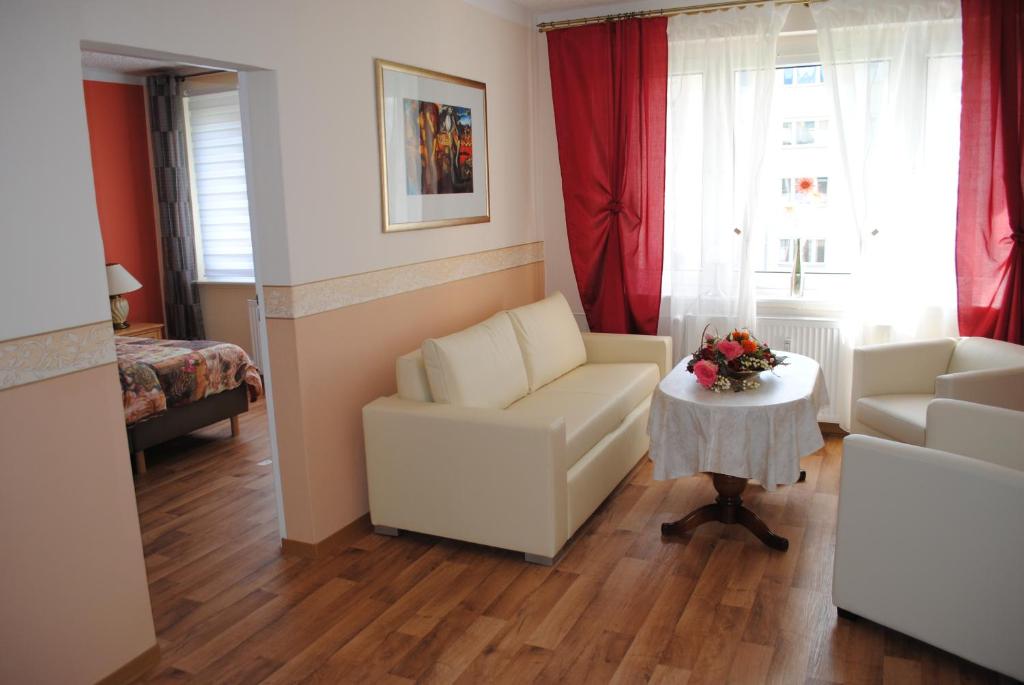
178	421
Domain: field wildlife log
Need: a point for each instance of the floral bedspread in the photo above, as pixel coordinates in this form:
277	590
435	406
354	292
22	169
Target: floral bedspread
157	374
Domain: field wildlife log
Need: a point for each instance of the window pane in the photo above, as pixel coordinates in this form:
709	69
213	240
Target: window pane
218	175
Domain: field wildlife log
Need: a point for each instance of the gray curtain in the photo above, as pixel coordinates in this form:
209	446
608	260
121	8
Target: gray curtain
174	202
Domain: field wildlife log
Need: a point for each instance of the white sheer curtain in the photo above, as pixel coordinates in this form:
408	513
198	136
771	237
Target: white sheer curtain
894	70
721	74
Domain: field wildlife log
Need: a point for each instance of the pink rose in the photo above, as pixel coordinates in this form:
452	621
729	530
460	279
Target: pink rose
706	372
730	349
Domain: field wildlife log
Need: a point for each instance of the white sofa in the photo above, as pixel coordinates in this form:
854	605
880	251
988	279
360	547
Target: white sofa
511	432
893	383
930	540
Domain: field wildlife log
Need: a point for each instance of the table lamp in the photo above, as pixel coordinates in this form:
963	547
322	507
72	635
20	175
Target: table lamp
119	281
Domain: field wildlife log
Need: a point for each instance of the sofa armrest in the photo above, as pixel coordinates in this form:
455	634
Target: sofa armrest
605	348
991	434
480	475
995	387
899	368
929	543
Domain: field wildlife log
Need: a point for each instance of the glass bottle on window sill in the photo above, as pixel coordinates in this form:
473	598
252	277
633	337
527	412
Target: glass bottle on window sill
796	278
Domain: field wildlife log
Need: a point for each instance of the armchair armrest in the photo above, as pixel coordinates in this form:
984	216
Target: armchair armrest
995	387
604	348
991	434
899	368
929	543
474	474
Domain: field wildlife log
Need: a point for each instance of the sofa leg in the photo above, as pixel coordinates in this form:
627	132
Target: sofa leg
538	559
385	530
848	615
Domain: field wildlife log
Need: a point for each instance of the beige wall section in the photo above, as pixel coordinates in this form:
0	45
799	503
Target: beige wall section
74	605
226	312
343	359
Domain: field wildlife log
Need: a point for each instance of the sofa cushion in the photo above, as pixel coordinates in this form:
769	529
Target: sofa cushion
480	366
593	399
411	374
976	354
549	338
901	417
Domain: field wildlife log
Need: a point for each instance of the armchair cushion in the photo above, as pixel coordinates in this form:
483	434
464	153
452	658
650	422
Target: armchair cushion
901	417
974	354
549	339
480	366
593	399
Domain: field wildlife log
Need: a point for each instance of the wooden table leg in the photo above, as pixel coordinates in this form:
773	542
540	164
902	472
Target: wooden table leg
234	426
728	508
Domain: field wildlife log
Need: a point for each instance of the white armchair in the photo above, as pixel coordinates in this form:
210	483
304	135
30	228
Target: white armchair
893	383
930	540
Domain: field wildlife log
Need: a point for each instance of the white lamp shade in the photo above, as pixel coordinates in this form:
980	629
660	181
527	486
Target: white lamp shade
120	281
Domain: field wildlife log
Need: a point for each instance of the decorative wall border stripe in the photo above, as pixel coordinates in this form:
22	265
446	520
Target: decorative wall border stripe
45	355
293	302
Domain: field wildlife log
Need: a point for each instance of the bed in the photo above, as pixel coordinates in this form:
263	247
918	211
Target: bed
173	387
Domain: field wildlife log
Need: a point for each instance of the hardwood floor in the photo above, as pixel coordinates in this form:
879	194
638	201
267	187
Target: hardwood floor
622	606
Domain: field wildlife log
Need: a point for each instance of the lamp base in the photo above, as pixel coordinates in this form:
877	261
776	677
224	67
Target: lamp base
119	312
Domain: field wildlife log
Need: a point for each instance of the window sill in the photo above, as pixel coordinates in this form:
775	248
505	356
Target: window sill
225	283
799	307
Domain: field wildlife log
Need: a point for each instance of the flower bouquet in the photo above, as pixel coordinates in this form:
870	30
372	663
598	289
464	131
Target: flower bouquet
732	362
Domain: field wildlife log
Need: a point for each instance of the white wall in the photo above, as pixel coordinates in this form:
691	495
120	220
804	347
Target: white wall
322	53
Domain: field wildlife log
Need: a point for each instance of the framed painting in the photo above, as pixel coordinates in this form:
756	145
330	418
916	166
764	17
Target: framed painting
433	148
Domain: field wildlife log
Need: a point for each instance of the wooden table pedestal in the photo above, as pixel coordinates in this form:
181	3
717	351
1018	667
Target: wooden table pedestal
728	508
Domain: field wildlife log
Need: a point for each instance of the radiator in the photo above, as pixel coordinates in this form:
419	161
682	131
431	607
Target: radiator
818	339
254	334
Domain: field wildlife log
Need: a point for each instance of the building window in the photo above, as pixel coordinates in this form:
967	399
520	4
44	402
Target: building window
811	75
219	198
804	132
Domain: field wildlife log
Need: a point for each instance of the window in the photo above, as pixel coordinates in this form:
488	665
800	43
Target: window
219	199
801	167
805	132
803	76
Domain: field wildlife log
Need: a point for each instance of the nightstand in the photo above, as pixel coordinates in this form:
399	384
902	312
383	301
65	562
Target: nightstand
141	329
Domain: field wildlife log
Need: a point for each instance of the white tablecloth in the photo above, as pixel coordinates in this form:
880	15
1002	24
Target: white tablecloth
759	434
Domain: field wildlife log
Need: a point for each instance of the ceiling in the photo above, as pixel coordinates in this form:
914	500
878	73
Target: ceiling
135	66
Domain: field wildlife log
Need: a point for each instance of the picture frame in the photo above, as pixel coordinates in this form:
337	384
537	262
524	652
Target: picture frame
434	153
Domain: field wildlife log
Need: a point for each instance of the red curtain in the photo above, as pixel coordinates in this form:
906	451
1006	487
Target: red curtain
609	86
990	236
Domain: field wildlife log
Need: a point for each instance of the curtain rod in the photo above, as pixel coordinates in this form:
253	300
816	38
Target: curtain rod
546	26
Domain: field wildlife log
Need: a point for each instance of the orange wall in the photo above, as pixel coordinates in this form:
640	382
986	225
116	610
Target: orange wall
119	139
327	366
74	604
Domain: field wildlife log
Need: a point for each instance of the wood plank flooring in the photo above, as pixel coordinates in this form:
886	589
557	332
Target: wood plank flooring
622	606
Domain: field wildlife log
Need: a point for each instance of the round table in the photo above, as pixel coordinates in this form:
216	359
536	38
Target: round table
758	434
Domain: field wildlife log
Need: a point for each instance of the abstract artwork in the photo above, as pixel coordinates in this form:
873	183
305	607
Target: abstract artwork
433	148
438	148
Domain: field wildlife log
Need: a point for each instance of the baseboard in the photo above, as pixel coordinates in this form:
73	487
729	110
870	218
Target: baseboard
134	669
314	550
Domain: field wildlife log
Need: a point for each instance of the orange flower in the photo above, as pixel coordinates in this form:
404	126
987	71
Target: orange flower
749	345
804	185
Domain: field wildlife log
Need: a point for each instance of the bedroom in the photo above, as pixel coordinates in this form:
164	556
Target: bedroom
177	246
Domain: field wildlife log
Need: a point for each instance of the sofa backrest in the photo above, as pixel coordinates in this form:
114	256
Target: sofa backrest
549	338
411	374
480	366
976	354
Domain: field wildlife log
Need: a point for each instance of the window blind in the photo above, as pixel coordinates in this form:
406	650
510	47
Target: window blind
218	172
